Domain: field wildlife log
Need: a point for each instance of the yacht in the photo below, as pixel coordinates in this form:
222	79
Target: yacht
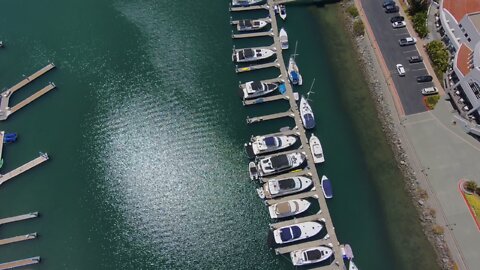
310	255
266	144
276	164
327	187
306	113
288	208
245	3
274	188
296	232
293	72
251	55
283	39
282	12
251	25
255	89
316	148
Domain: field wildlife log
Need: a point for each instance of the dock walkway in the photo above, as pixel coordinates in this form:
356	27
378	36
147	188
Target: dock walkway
254	34
256	7
16	239
18	218
2	134
25	167
257	119
264	99
19	263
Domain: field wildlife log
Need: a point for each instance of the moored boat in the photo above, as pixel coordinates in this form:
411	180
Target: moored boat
283	38
251	55
310	255
282	11
9	137
308	119
352	266
327	187
288	208
293	72
245	3
255	89
296	232
316	148
278	163
266	144
251	25
274	188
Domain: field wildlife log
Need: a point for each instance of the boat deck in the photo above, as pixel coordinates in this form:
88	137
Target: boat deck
16	239
18	218
25	167
19	263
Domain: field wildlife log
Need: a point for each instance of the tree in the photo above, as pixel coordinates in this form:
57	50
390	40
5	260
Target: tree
471	186
418	6
438	55
420	24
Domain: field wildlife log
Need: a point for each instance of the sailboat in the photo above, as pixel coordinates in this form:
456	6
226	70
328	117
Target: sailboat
293	71
306	111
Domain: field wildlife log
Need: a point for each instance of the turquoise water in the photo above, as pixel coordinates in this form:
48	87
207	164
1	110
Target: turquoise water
145	134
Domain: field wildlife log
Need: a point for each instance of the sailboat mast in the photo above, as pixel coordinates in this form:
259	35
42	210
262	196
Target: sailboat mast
311	87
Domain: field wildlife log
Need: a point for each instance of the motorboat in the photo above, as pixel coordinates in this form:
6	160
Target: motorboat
9	137
251	55
310	255
283	38
316	148
282	12
252	170
266	144
274	188
245	3
255	89
352	266
306	113
279	163
327	187
293	72
296	232
251	25
288	208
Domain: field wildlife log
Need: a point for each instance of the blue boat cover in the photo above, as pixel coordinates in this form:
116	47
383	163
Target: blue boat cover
309	121
270	141
287	234
294	76
327	187
282	89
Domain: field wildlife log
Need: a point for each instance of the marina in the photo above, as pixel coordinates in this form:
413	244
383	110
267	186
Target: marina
316	192
25	167
19	263
18	218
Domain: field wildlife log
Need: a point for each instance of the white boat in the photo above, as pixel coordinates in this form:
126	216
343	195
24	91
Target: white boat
293	72
245	3
288	208
283	38
316	148
250	55
296	232
310	255
306	113
266	144
255	89
250	25
279	163
274	188
352	266
282	12
327	187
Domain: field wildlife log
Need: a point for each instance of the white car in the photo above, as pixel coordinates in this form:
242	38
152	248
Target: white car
399	24
400	70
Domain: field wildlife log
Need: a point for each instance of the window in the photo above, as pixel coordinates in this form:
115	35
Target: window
460	25
475	88
469	39
466	35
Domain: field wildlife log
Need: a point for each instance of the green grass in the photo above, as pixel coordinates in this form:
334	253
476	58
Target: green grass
474	202
358	28
431	101
353	11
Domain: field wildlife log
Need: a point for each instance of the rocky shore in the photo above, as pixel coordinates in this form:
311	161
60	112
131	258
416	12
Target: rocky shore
378	90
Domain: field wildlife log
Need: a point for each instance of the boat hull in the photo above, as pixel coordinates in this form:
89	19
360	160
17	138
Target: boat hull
265	192
295	207
316	149
306	113
299	256
261	25
286	141
308	229
248	93
236	3
327	187
261	54
264	170
252	169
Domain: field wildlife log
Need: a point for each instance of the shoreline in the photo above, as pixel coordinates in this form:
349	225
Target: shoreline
391	122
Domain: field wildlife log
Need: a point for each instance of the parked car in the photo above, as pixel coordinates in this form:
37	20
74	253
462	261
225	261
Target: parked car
391	8
424	78
415	59
397	19
407	41
399	24
429	91
388	2
400	70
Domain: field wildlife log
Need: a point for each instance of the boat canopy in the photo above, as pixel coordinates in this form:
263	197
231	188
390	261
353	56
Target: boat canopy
286	184
246	53
294	76
287	234
245	23
280	162
272	141
256	85
284	208
309	120
314	254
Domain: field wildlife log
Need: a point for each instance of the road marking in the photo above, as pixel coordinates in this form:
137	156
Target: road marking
410	51
418	69
402	34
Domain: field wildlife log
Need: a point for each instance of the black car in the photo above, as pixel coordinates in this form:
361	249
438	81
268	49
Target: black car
415	59
388	2
425	78
391	8
397	19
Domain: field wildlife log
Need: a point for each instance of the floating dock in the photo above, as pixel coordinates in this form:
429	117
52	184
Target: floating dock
27	166
257	119
252	35
5	110
16	239
19	263
18	218
256	67
257	7
264	99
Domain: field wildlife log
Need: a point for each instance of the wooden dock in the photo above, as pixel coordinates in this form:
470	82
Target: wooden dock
264	99
256	67
33	97
252	35
19	263
18	218
16	239
258	119
274	80
27	166
257	7
31	78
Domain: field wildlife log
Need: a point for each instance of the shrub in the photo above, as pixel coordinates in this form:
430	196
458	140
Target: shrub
353	11
417	6
431	101
419	24
422	193
478	191
358	28
437	229
439	56
471	186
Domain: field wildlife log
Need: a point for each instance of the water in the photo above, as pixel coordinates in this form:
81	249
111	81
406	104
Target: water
145	134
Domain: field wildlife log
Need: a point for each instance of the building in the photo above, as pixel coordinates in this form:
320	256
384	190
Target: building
460	20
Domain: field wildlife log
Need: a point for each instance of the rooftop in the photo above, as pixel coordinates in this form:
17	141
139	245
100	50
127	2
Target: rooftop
475	18
460	8
462	59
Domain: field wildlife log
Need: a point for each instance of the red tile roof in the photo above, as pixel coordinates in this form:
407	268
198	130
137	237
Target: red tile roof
459	8
462	59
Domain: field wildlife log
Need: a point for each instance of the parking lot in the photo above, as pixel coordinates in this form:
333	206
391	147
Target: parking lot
409	90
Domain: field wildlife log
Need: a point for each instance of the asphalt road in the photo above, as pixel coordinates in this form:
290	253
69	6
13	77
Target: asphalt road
387	38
